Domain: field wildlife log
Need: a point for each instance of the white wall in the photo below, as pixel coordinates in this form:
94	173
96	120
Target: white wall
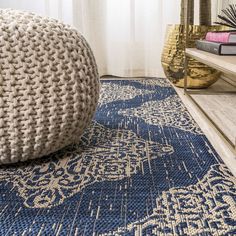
225	3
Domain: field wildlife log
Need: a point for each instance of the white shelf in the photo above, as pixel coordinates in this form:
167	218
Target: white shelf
226	64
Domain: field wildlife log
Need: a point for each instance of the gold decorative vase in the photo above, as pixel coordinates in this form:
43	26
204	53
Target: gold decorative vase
173	57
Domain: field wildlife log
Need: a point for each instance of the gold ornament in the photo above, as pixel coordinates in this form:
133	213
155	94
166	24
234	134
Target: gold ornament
173	57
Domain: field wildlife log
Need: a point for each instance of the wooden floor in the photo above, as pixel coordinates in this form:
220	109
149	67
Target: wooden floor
221	109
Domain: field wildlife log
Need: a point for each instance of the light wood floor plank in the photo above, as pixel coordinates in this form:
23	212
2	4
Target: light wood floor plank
218	106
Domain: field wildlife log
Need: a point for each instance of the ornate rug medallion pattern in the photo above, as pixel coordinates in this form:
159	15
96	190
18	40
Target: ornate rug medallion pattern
171	112
143	167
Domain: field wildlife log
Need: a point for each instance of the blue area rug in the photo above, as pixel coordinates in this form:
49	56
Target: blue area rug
143	167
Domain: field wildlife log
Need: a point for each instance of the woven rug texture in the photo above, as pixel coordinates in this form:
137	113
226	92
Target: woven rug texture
142	168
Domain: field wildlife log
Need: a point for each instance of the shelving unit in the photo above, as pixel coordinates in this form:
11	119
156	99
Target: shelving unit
223	102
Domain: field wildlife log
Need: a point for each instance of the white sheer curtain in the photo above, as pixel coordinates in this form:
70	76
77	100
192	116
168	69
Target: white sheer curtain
127	35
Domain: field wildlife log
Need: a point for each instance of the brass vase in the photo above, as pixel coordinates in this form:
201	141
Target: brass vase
173	57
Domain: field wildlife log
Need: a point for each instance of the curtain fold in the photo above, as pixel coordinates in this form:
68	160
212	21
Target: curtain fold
127	36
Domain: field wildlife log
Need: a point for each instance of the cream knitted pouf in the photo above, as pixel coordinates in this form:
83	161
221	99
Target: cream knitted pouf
49	86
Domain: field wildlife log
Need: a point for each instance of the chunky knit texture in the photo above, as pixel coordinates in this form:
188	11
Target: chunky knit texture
49	86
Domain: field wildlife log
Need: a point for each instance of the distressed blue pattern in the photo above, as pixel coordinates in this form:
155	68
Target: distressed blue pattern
143	167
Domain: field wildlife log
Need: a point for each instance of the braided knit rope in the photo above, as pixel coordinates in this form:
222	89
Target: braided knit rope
49	85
